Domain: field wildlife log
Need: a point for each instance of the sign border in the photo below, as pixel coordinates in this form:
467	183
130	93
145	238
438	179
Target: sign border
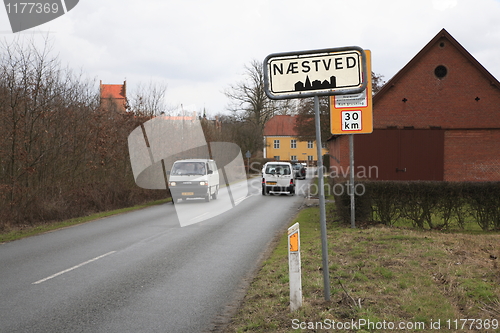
320	92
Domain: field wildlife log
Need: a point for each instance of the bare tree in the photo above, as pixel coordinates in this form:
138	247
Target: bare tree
249	100
377	82
29	87
252	108
61	155
305	125
149	100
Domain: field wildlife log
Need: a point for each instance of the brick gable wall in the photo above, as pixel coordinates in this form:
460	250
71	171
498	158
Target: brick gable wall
465	103
449	102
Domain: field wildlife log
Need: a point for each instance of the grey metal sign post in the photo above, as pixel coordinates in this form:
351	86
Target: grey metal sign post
322	209
248	154
351	180
327	72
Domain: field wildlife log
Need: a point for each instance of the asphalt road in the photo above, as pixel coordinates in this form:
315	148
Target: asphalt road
140	271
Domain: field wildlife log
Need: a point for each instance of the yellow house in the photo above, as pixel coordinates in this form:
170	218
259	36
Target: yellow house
281	143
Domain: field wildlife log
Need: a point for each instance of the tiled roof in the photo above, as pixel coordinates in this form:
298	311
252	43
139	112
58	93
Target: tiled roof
280	125
115	91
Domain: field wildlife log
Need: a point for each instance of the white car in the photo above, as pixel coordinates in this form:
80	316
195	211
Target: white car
194	178
278	177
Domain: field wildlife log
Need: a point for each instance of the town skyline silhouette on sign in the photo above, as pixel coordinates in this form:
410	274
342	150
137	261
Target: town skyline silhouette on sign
316	84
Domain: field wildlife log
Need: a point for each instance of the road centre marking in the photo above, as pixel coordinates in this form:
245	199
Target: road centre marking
74	267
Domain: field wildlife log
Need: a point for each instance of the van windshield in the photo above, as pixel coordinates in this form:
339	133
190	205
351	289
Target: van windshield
189	168
278	169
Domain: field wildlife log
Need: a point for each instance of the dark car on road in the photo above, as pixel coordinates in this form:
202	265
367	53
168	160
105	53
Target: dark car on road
299	170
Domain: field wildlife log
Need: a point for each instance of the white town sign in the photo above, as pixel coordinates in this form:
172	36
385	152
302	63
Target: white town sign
326	72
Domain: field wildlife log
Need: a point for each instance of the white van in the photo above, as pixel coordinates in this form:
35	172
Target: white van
278	177
193	178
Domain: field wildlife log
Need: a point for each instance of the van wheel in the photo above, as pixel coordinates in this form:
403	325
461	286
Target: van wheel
264	192
214	196
207	197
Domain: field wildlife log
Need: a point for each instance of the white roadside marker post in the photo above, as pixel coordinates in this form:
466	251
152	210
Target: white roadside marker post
294	267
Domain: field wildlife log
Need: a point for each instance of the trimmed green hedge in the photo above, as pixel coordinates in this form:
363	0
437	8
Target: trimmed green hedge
428	205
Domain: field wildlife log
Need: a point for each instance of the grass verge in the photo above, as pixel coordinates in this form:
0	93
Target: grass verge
379	275
27	231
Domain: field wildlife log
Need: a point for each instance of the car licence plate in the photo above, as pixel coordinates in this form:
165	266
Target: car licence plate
271	183
187	193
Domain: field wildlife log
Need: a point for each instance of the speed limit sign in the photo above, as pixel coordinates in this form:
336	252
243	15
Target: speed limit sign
351	121
352	113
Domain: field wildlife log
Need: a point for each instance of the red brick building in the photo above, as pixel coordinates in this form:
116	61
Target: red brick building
438	118
113	96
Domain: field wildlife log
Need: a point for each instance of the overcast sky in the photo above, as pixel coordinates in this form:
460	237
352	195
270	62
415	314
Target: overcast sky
198	48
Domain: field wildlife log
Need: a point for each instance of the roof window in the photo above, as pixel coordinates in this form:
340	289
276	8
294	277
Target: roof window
440	71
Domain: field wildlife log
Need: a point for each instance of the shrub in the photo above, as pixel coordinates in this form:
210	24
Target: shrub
434	205
384	196
419	202
484	201
362	200
428	205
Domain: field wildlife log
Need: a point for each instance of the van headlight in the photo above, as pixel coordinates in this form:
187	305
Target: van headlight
172	184
203	183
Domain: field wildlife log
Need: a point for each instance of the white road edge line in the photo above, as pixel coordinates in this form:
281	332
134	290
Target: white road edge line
72	268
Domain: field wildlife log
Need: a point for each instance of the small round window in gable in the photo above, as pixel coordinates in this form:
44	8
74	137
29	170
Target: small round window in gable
440	72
